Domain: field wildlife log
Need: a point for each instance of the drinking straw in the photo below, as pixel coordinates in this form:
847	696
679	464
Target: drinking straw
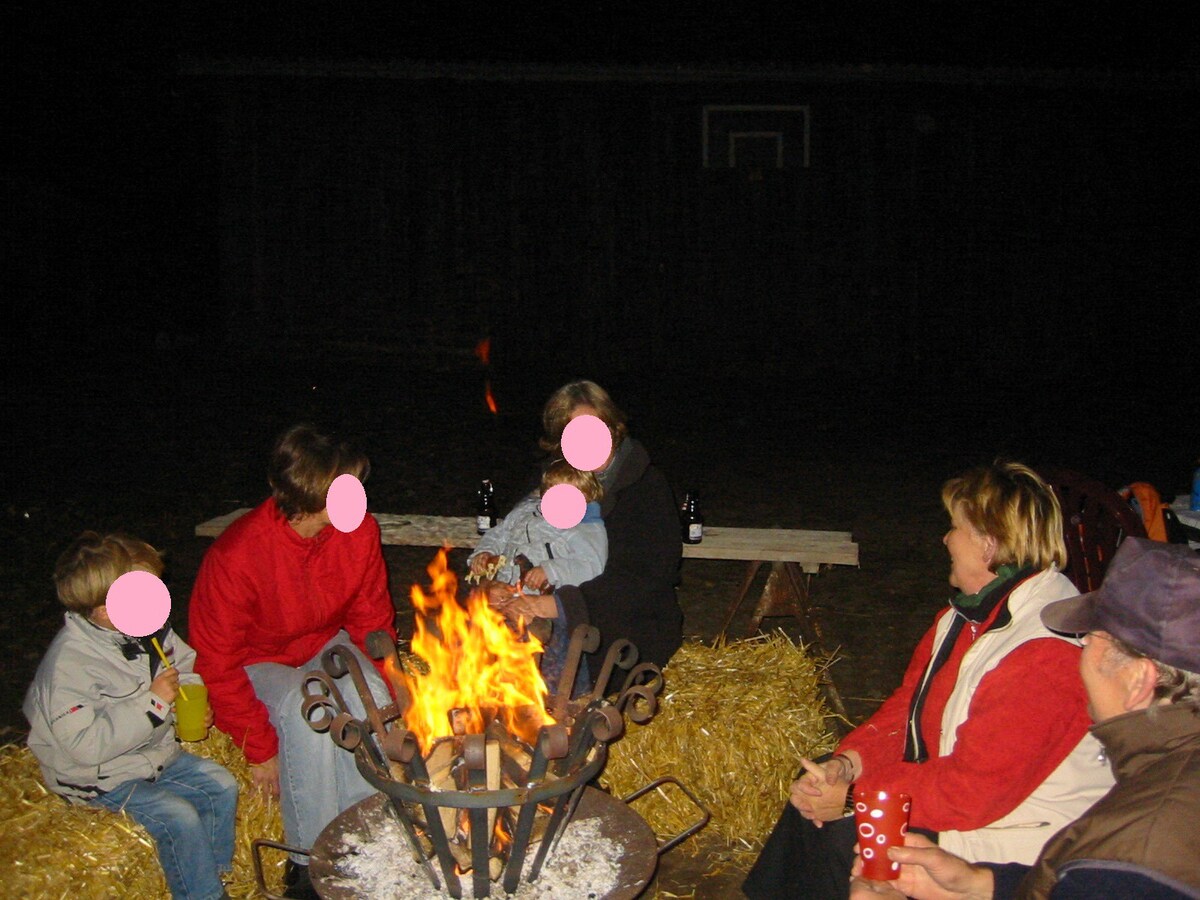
166	662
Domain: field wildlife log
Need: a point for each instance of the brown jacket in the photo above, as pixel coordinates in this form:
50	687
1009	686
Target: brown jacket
1150	816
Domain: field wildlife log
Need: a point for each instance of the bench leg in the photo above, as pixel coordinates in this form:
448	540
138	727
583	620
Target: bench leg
751	571
786	594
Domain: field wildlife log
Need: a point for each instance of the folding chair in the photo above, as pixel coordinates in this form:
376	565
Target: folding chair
1095	521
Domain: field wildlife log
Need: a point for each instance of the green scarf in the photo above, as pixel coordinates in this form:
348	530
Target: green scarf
964	602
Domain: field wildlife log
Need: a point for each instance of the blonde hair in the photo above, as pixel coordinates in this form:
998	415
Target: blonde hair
86	570
304	464
1010	503
562	472
557	413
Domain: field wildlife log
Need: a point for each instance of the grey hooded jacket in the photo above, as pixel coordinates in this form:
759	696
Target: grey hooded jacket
93	722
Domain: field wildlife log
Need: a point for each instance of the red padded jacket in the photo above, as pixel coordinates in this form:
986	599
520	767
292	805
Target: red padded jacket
266	594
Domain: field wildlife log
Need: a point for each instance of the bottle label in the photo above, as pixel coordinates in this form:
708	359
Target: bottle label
695	532
483	523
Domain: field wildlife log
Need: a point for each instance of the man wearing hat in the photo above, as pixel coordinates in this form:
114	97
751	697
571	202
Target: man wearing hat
1141	669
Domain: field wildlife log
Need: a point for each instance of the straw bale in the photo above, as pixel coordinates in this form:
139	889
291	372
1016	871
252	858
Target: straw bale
54	849
733	721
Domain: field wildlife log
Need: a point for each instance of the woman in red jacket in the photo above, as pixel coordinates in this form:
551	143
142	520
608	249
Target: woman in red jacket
277	589
987	731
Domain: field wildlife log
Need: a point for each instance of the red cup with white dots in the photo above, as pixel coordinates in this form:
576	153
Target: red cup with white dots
881	821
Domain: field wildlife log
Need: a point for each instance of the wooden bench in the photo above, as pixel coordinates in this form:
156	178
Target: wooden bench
795	556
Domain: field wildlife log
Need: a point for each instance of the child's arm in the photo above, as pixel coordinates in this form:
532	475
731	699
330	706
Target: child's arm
93	728
495	539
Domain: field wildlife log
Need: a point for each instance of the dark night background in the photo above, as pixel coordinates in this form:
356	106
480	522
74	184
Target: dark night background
978	176
220	219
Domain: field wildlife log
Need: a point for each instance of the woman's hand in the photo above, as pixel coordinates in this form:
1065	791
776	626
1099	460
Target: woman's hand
499	595
209	718
265	776
532	606
481	561
819	795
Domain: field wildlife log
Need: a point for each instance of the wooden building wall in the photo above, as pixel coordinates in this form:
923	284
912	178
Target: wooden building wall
935	227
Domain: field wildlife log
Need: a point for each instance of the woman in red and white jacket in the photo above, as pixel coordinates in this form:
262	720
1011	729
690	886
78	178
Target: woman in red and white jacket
988	730
278	588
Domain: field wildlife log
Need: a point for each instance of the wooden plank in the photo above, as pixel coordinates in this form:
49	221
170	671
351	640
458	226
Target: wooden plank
214	527
395	530
809	549
427	531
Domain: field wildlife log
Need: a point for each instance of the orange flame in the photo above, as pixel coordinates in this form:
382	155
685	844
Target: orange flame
483	350
490	398
477	666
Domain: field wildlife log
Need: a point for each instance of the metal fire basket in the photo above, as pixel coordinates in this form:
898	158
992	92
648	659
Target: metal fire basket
542	786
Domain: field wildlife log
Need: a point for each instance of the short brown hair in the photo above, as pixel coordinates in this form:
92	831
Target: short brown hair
557	412
304	464
1009	502
87	569
562	472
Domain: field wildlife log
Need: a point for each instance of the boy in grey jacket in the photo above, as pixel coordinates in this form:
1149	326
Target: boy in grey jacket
101	722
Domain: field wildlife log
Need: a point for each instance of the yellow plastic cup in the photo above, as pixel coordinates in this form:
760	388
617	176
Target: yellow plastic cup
190	713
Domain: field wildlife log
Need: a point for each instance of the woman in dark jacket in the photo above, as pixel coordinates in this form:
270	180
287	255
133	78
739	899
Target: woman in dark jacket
634	597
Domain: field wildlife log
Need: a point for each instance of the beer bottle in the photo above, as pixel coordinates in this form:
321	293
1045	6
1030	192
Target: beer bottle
485	507
693	519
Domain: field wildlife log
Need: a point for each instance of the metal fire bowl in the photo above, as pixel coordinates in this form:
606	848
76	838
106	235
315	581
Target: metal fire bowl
618	823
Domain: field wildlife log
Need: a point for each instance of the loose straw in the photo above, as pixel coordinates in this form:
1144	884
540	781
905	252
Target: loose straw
166	662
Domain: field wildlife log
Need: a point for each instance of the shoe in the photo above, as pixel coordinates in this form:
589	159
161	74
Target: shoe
297	884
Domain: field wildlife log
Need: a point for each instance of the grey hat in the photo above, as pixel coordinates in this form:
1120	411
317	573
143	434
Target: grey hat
1150	599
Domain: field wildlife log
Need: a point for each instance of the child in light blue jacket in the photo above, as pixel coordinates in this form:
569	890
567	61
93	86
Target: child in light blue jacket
535	558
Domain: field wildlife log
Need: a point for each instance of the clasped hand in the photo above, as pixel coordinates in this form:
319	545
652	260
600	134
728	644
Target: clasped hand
819	795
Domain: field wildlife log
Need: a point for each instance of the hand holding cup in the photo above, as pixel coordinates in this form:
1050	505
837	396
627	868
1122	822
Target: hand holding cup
166	685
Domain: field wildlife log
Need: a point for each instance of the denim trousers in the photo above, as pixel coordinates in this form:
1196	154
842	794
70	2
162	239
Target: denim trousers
190	811
554	656
317	778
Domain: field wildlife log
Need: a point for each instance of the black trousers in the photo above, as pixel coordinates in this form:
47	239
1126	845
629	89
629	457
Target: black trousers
802	861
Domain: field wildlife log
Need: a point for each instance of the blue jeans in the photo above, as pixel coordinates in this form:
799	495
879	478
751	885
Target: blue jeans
317	778
554	656
189	811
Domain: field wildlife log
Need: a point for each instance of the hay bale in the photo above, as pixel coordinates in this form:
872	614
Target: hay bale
733	722
54	849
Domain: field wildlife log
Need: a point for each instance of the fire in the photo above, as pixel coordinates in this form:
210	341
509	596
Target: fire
478	667
490	398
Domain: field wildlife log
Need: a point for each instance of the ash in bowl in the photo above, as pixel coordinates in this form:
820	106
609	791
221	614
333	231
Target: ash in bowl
585	863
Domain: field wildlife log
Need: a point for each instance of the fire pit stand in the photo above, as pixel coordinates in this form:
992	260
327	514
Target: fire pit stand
479	802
